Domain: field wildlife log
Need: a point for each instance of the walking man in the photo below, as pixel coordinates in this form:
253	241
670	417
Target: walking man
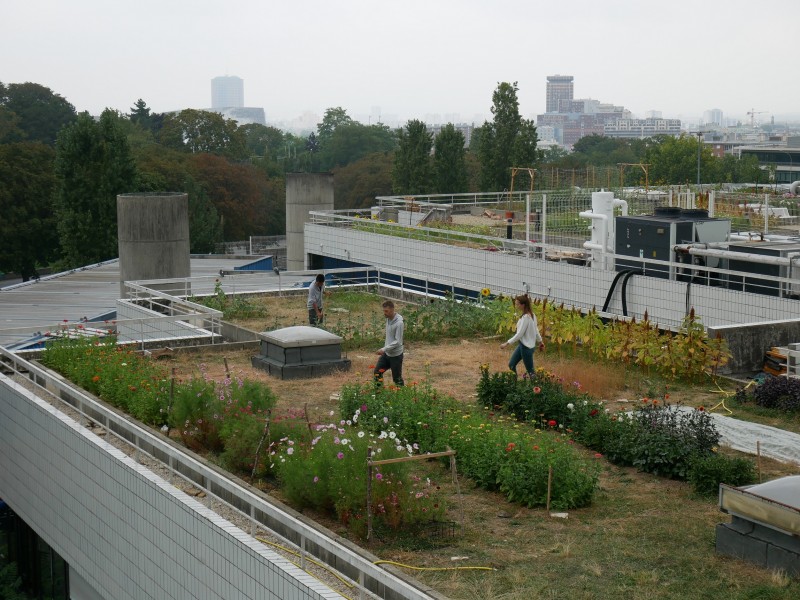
391	355
314	303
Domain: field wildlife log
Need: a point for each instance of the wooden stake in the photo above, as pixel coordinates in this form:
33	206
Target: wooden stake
758	459
549	485
369	492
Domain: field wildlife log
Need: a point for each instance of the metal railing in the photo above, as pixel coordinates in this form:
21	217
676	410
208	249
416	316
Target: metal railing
256	508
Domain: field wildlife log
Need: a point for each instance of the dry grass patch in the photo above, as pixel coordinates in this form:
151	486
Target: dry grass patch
643	536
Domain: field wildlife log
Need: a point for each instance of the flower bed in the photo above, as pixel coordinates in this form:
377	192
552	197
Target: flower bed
497	453
654	436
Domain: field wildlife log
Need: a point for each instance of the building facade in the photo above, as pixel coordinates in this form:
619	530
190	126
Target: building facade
559	87
227	92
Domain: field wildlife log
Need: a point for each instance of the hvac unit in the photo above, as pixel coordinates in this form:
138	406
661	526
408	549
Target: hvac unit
654	236
768	287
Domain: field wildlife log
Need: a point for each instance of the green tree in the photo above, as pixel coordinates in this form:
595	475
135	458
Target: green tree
240	194
93	165
449	162
673	160
198	131
164	170
507	141
28	235
262	140
412	173
351	142
9	125
41	112
358	184
333	118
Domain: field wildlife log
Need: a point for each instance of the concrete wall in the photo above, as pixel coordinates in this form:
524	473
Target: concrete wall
666	301
305	192
153	231
749	341
124	531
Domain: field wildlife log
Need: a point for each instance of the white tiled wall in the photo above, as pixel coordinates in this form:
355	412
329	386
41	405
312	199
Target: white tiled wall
664	300
126	532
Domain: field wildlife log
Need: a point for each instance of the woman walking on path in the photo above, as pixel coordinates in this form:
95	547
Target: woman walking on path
527	335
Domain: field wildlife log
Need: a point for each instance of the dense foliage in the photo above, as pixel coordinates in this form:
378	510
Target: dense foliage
779	393
495	452
653	436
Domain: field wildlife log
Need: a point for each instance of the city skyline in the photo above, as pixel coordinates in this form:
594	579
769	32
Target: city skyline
413	61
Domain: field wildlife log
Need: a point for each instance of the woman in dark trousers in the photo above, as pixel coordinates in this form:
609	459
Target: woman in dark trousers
527	335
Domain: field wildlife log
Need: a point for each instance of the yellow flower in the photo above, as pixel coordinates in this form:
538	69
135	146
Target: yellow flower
485	292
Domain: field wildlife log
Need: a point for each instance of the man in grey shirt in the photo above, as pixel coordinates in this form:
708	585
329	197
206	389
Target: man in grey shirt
391	355
314	303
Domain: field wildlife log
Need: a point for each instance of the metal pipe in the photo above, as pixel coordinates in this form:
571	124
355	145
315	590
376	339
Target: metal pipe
729	254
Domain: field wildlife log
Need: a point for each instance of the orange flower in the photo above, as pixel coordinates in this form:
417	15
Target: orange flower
96	378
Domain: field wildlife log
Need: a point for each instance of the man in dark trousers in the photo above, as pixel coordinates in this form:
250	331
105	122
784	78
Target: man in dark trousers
391	355
315	301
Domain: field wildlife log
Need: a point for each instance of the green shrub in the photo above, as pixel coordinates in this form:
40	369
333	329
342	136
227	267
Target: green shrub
114	373
482	440
709	470
329	473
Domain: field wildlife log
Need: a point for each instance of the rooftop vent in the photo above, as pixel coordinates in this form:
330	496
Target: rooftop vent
300	352
765	525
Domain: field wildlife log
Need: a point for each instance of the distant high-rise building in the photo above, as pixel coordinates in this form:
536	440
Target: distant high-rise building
559	87
713	117
227	92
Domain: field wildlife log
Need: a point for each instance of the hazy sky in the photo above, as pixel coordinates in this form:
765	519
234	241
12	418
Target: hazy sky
411	58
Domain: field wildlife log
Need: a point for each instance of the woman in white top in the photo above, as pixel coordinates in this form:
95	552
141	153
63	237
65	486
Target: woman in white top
527	335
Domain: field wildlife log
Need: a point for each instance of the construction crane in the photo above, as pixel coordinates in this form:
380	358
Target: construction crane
752	114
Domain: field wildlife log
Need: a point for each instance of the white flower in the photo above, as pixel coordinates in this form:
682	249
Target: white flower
399	448
290	451
361	434
392	435
358	412
355	418
382	436
345	441
349	422
330	414
571	406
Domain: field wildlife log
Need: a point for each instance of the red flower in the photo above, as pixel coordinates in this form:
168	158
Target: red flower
593	413
598	455
371	367
537	390
381	370
535	447
96	378
510	446
552	423
701	409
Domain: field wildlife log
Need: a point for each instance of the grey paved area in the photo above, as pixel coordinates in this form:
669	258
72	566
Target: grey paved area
93	291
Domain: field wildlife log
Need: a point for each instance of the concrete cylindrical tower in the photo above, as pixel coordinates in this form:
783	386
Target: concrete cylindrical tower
153	234
305	192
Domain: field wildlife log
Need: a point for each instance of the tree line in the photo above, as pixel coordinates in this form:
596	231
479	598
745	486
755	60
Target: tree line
60	171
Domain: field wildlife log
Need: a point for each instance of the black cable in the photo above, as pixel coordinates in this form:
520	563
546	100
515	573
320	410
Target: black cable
611	289
628	275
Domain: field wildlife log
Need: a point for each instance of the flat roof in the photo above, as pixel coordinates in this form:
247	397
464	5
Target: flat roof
91	292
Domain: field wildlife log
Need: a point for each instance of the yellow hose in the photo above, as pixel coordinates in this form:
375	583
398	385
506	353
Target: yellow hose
397	564
311	560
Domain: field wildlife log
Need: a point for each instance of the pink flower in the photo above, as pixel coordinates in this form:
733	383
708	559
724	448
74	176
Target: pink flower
290	451
378	476
340	456
316	479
